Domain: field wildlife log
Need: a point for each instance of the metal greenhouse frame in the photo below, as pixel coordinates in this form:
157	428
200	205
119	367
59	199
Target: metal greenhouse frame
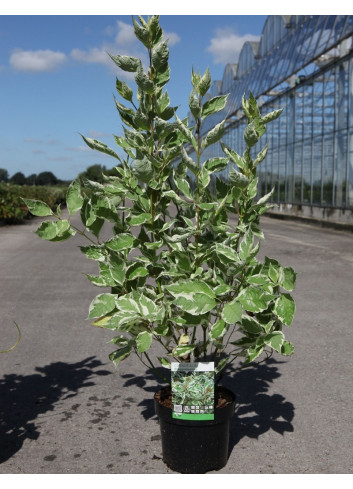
305	65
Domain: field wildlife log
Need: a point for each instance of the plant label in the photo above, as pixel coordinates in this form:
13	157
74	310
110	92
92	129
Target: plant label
193	390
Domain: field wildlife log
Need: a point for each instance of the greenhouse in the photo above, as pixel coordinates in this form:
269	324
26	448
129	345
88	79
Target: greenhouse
303	64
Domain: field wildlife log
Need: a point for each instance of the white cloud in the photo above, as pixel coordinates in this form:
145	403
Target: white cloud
97	134
79	149
93	55
172	37
36	61
125	34
125	42
33	140
59	158
226	45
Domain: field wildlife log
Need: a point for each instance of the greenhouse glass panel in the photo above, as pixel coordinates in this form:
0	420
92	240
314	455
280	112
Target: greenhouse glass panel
349	193
290	173
312	40
338	29
329	102
272	68
341	91
260	86
282	175
348	26
307	171
327	169
323	38
252	80
280	61
310	156
340	169
299	117
305	41
318	106
297	177
288	62
307	110
316	170
274	173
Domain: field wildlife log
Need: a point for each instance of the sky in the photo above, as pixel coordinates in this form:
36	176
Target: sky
57	80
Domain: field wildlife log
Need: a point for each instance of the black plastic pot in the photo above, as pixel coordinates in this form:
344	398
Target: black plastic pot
196	447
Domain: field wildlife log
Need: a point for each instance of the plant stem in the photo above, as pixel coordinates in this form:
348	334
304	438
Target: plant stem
198	193
82	233
154	368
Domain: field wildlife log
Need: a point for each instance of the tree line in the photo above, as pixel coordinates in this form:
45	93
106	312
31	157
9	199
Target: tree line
93	172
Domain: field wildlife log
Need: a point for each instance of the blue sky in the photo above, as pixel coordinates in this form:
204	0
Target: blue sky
57	80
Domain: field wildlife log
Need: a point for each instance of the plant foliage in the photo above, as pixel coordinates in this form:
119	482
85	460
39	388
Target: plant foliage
180	268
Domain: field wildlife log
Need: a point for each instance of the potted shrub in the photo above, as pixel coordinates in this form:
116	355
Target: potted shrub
180	264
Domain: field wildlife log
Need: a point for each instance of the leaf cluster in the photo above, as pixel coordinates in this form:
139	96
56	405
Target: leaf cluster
180	268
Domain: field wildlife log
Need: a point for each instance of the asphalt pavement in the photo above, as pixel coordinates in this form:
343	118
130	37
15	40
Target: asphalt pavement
65	408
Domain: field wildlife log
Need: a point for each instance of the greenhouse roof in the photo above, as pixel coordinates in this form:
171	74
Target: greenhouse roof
287	45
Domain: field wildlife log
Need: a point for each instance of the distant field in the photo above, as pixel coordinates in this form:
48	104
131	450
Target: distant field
12	207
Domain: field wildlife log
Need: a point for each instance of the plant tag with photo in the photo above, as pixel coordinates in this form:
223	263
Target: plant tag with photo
193	390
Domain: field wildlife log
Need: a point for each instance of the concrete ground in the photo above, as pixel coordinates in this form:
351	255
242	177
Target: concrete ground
65	409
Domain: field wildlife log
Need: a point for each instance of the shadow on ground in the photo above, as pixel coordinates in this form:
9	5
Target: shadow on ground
25	397
257	411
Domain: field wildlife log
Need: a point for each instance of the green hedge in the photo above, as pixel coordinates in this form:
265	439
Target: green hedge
12	207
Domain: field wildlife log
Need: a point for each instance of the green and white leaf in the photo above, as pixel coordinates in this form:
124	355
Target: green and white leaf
185	131
285	309
214	135
204	83
289	278
74	199
217	164
232	312
272	116
251	325
38	208
254	299
94	252
126	63
253	352
214	105
55	230
274	340
227	251
218	330
123	241
117	268
124	90
143	341
183	350
237	179
137	303
266	197
287	348
137	270
246	245
233	156
99	146
102	305
261	156
195	304
138	219
118	355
